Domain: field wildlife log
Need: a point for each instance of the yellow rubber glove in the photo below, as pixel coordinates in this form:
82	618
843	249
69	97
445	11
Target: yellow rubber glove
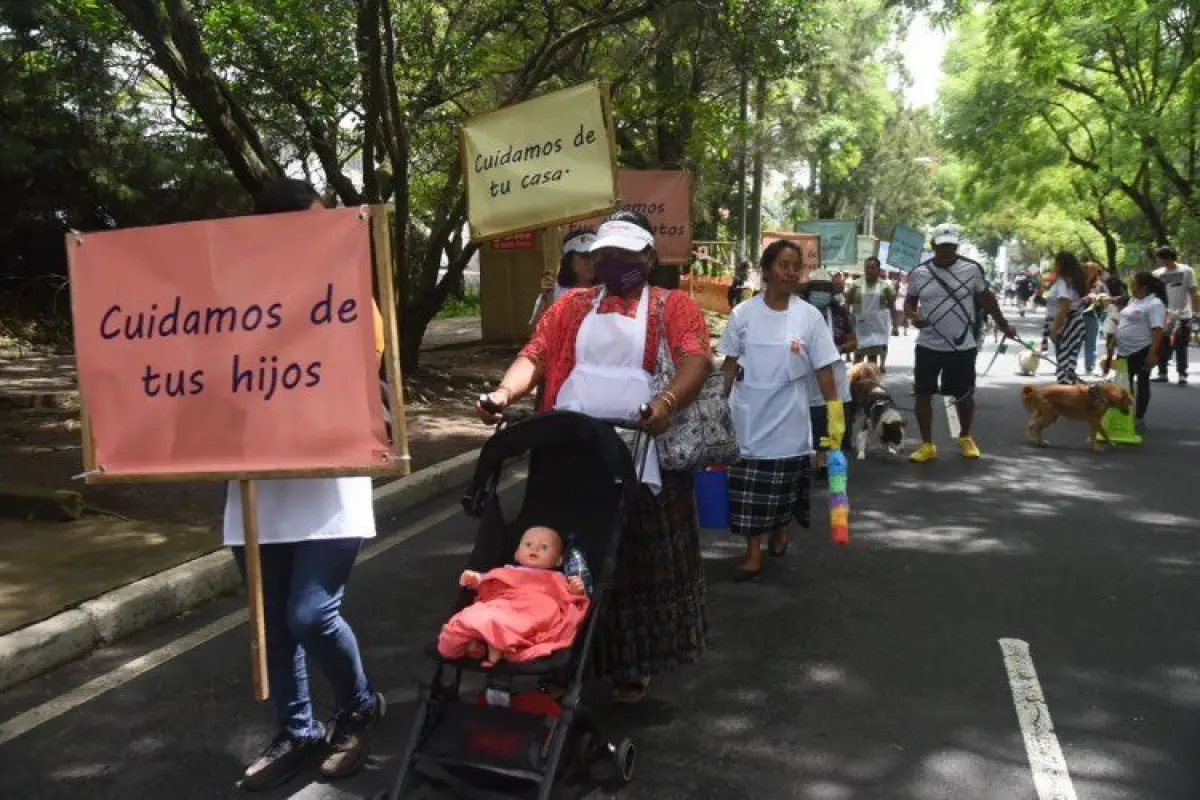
837	424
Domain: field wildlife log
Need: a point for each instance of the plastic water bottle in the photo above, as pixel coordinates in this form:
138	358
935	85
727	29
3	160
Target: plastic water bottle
576	565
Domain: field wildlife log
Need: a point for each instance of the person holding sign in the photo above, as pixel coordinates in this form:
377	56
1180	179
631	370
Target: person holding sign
594	352
871	299
575	271
311	531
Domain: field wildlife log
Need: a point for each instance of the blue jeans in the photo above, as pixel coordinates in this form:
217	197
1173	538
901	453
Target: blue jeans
303	586
1092	323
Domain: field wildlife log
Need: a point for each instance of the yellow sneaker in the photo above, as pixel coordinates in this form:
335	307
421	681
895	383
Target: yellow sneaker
926	452
968	447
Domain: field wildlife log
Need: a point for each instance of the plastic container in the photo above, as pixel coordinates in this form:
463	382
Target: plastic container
712	498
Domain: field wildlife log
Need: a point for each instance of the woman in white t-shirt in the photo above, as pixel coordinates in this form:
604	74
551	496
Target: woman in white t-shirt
1064	311
773	345
1139	335
310	533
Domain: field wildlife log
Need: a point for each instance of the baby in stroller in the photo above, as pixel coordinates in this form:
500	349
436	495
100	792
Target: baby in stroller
523	612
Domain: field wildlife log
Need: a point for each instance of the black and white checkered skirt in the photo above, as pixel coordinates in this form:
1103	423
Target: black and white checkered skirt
767	494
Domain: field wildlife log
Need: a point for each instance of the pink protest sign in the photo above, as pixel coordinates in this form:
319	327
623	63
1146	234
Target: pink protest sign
664	197
229	348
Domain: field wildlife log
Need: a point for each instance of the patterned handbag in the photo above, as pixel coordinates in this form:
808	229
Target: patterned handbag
701	434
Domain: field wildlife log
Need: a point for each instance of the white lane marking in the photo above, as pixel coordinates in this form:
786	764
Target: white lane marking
1050	776
952	422
25	722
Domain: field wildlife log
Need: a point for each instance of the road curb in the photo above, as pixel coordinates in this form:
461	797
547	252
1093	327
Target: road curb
72	634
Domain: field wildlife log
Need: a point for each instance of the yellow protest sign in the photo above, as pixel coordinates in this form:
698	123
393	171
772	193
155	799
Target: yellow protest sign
540	163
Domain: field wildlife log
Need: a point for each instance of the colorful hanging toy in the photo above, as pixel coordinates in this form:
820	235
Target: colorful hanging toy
839	501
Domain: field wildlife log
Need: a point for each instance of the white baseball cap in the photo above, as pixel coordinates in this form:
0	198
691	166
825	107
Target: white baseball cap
623	236
820	275
947	233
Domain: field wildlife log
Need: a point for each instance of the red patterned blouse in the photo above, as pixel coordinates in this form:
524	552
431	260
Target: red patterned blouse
553	342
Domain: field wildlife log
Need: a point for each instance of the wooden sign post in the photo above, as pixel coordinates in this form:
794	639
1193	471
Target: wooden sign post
272	375
254	592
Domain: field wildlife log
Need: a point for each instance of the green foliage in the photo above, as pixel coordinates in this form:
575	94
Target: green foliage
1068	112
465	306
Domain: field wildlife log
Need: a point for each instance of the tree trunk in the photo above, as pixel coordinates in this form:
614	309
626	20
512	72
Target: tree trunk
760	136
743	109
174	38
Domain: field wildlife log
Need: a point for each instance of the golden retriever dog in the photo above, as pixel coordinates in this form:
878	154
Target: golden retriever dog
875	415
1083	402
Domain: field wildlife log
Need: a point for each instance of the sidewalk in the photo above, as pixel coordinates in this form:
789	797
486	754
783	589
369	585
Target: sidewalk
66	588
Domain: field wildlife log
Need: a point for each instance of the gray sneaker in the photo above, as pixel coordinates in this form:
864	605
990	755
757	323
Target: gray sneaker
350	740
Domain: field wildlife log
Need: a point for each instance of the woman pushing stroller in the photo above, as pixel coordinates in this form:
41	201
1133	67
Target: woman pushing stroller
594	352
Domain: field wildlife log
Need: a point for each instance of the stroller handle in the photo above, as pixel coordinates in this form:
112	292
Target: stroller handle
509	415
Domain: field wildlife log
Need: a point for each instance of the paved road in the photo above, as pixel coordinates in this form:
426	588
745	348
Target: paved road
867	672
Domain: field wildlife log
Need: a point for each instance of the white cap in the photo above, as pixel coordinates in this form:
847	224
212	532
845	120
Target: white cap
623	236
820	276
947	233
579	244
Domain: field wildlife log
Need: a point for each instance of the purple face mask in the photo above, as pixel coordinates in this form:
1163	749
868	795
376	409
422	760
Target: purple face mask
620	276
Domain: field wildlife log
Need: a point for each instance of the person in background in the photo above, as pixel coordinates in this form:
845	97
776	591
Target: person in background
871	300
899	318
594	352
575	271
311	531
775	346
1025	290
818	291
1064	312
943	297
1094	303
738	284
1182	301
1139	336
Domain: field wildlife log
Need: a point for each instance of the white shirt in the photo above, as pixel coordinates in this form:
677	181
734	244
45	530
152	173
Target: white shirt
777	353
950	315
1180	283
1061	290
304	509
1139	318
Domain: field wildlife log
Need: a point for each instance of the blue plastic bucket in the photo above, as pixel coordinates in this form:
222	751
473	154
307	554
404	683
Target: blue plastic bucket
712	498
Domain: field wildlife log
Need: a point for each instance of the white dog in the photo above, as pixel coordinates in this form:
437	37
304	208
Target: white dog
1028	362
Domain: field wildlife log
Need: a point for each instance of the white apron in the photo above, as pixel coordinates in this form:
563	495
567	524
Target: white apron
769	404
608	379
841	375
873	323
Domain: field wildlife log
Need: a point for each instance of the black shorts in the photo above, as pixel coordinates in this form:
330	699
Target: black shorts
956	370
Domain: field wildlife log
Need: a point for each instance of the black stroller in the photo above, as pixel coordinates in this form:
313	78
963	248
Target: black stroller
581	480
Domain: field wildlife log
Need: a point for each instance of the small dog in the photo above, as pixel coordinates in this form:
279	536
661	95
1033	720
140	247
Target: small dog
1084	402
875	414
1027	362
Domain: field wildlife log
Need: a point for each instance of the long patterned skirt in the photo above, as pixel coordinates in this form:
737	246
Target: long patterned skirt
1067	347
655	619
766	494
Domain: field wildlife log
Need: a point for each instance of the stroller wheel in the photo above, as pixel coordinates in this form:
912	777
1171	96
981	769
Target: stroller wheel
624	756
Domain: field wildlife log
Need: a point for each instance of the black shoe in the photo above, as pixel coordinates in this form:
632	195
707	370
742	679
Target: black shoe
1159	379
1183	380
350	740
284	758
